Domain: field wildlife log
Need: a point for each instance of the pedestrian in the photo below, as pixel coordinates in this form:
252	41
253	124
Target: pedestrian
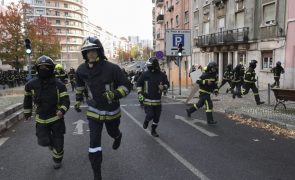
277	71
71	76
52	101
150	86
107	84
208	84
249	83
227	76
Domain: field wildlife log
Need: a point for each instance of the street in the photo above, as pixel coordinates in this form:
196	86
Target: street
187	149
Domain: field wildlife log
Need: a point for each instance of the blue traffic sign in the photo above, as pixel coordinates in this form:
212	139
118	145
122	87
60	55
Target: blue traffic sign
159	54
177	39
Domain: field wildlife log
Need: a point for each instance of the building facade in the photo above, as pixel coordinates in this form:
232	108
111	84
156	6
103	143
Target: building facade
68	17
235	32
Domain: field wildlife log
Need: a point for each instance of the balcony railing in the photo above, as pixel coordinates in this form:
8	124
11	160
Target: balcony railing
270	32
160	18
228	37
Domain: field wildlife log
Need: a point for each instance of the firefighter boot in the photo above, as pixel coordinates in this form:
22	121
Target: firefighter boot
95	160
117	142
190	111
210	120
153	131
145	123
257	99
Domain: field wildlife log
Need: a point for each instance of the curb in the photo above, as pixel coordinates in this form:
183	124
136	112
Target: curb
230	112
10	116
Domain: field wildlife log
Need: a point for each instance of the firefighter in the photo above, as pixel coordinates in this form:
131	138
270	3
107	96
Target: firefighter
227	76
277	71
150	86
249	83
52	102
106	84
61	74
71	76
237	79
208	84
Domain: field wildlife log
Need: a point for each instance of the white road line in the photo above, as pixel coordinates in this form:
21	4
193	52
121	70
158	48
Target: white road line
198	121
183	161
204	131
3	140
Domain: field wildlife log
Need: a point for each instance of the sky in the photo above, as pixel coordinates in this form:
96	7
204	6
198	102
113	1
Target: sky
121	17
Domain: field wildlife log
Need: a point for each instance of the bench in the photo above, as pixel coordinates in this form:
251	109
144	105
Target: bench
283	95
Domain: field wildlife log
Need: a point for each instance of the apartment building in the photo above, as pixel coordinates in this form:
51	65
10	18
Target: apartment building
237	31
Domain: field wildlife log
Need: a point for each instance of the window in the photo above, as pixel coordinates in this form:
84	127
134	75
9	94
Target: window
57	22
220	24
167	6
66	6
269	13
56	4
240	20
242	58
196	18
38	2
177	20
39	11
58	31
66	14
206	28
67	23
186	17
57	13
267	60
167	25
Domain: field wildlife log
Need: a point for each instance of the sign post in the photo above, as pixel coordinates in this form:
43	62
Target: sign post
178	43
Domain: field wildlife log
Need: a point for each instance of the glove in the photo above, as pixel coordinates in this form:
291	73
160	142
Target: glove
140	98
27	116
109	95
77	106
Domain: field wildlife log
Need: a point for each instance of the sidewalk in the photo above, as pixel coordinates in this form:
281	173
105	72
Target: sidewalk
247	107
10	96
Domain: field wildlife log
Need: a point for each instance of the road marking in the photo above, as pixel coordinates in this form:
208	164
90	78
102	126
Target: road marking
79	127
183	161
204	131
3	140
198	121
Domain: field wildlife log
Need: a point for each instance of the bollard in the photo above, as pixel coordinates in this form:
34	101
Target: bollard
172	90
268	94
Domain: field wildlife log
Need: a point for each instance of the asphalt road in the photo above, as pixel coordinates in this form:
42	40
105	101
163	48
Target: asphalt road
187	149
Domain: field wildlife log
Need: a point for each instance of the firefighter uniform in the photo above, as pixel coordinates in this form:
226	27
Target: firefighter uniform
237	79
150	86
49	96
61	74
208	83
249	83
227	77
71	76
277	71
106	84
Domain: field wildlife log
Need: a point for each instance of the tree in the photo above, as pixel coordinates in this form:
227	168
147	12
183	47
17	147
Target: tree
11	37
44	38
134	52
147	52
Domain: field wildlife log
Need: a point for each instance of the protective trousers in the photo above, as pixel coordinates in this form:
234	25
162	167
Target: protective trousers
276	83
224	81
52	135
153	113
238	86
247	87
205	99
95	150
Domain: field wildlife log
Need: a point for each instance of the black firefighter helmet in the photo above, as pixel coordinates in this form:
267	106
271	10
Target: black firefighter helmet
45	61
92	43
212	67
253	63
153	64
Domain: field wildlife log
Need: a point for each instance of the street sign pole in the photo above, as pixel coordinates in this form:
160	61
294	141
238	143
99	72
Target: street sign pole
179	73
30	67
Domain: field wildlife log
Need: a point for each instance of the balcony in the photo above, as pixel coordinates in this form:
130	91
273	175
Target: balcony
229	37
160	18
271	32
159	3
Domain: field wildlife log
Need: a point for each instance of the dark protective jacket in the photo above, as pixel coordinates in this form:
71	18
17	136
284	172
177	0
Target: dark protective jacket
277	71
237	74
203	82
250	76
102	77
228	75
49	97
148	85
62	75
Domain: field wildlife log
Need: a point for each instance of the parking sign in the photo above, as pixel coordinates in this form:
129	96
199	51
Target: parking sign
176	36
